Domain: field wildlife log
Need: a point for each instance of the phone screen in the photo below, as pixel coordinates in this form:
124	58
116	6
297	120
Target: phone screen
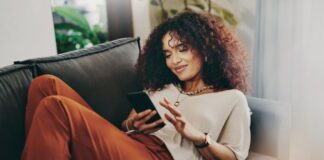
141	101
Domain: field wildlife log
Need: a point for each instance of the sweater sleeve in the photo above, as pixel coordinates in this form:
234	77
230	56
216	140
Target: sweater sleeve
236	130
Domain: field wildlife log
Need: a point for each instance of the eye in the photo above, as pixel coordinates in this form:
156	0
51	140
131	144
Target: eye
183	48
167	55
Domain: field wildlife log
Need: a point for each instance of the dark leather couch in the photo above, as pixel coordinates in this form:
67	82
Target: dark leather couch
102	75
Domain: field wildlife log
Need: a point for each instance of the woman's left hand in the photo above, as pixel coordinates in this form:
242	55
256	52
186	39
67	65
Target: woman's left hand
181	124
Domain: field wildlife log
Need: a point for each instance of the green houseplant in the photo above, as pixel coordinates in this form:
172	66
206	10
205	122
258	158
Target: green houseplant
196	5
72	31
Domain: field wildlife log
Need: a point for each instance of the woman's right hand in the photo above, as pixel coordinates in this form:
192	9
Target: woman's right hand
138	122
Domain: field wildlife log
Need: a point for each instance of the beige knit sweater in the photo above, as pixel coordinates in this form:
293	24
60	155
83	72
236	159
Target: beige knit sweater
224	115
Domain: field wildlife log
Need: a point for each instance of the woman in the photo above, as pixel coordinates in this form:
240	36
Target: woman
194	71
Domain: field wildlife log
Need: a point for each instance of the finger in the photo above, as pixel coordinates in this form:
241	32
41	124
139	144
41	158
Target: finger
170	118
156	123
175	112
142	114
151	130
141	128
152	125
180	119
170	107
166	101
148	116
138	122
164	104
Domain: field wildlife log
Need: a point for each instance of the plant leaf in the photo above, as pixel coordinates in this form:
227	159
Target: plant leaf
164	15
198	4
173	11
217	9
224	14
67	26
73	16
229	17
154	3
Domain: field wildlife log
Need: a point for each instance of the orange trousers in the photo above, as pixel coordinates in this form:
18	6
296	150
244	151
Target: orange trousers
61	125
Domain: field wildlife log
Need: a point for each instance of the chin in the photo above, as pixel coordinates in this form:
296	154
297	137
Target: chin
183	77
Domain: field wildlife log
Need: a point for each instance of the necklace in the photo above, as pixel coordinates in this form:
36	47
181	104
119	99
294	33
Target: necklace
192	93
195	92
177	102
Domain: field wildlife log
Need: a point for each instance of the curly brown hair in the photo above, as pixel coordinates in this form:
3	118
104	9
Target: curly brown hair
226	66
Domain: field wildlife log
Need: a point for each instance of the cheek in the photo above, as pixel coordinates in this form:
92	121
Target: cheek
194	57
197	62
168	63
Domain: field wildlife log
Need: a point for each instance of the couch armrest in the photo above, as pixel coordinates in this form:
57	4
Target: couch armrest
270	127
259	156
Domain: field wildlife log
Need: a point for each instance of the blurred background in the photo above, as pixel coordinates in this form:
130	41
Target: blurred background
284	38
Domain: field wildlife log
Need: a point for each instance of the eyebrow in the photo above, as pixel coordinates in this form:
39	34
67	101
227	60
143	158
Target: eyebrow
166	50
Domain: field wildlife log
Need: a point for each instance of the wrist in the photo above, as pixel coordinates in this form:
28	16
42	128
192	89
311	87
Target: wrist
205	143
200	139
129	124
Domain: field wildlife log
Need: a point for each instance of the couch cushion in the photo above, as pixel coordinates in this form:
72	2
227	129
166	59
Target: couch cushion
14	82
270	127
102	75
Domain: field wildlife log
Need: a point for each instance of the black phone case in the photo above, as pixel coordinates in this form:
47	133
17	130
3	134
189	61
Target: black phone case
141	101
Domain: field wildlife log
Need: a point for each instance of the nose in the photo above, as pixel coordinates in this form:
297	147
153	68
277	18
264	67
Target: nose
176	58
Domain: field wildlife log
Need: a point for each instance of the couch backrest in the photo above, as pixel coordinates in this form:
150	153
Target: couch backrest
102	75
14	82
270	128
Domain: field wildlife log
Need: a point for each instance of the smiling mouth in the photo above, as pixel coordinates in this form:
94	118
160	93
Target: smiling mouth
180	68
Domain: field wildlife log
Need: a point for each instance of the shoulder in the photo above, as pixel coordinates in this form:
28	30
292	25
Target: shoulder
232	94
240	101
239	95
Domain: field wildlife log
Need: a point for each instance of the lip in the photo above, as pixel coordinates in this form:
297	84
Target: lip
180	69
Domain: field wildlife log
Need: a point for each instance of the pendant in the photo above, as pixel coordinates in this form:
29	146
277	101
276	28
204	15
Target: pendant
176	103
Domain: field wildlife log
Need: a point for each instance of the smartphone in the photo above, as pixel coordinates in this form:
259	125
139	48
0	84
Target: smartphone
141	101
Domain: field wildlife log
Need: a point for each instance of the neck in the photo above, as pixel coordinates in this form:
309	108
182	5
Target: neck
194	85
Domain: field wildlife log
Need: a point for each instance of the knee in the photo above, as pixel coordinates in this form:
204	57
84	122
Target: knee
56	105
57	102
50	102
50	108
44	82
53	103
45	79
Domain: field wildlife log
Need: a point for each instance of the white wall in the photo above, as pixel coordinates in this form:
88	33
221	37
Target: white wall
141	19
26	30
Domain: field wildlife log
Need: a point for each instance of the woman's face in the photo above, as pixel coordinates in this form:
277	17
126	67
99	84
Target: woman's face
181	59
